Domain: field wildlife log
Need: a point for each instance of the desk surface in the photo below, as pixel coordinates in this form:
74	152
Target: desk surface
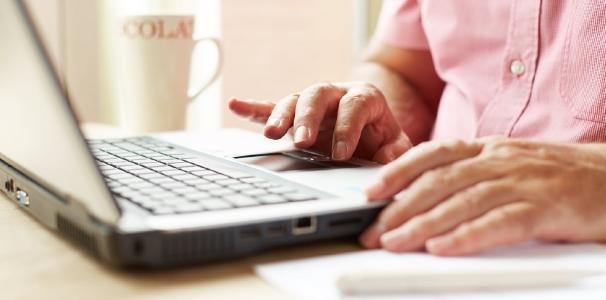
36	263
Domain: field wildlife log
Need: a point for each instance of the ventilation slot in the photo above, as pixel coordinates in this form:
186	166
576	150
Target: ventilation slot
182	248
77	235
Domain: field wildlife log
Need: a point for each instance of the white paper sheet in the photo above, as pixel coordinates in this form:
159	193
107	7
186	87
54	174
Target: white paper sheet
315	278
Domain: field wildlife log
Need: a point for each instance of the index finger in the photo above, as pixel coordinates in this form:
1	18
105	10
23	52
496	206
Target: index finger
258	111
397	175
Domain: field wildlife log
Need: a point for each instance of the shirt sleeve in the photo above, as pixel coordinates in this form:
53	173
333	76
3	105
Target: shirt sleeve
400	25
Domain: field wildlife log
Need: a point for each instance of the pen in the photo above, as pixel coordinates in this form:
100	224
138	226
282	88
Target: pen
417	281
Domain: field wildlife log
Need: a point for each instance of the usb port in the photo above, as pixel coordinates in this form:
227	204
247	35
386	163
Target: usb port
276	230
250	234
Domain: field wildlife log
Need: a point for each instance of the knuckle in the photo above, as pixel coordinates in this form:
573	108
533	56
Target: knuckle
466	231
441	149
373	91
418	229
430	177
392	217
319	88
440	177
345	131
526	222
484	189
356	100
471	203
503	150
423	223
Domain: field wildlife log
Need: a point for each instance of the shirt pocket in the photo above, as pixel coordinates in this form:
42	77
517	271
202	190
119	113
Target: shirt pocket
583	76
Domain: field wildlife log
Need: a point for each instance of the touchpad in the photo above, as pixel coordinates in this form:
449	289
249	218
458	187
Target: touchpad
294	161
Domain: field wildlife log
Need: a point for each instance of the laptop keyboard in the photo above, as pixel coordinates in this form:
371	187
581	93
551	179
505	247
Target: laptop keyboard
163	180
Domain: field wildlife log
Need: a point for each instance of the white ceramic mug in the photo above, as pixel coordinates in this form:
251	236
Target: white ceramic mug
154	76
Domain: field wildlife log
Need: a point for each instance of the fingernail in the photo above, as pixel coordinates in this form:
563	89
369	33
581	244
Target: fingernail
274	122
397	238
375	189
301	134
370	237
438	245
339	152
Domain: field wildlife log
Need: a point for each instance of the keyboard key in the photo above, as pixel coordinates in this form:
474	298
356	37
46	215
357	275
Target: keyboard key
170	161
253	180
152	164
163	210
160	180
221	192
119	191
185	190
215	177
132	167
208	186
144	200
193	169
227	182
272	199
299	197
266	185
152	190
215	204
176	201
197	181
173	185
163	169
203	172
219	168
254	192
242	186
131	180
113	184
185	177
281	190
112	171
141	171
239	200
198	196
164	195
142	185
174	173
189	208
181	165
120	175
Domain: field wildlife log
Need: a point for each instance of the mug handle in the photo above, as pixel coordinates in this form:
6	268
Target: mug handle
215	41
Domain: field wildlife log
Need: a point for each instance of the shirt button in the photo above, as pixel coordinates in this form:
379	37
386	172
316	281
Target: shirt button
517	67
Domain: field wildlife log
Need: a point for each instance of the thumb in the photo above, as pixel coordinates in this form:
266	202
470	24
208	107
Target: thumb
392	150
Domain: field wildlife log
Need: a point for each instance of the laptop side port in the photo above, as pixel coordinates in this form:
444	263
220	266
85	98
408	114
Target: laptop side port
22	197
276	230
345	222
250	234
9	186
304	225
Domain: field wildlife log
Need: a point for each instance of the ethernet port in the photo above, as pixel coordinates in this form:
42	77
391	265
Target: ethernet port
304	225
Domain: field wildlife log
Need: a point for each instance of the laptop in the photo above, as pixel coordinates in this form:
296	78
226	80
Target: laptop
156	201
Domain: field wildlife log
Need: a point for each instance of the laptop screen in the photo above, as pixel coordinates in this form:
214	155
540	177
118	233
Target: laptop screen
39	134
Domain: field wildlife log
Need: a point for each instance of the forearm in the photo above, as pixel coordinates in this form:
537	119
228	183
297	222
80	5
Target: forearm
413	113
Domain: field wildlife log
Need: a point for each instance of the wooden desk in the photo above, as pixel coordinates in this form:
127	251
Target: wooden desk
36	263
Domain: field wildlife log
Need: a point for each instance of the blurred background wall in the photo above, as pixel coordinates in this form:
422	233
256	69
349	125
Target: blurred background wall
272	48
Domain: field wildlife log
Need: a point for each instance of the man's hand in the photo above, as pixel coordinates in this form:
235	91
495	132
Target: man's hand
465	197
344	119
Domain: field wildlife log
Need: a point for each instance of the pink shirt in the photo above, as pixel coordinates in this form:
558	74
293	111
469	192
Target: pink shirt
520	68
